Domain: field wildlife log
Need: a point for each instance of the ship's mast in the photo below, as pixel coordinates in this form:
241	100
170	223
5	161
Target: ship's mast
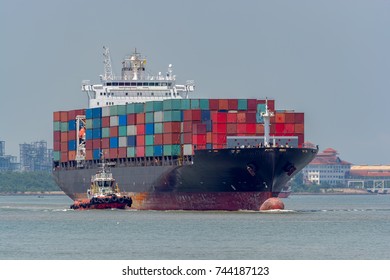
267	122
108	75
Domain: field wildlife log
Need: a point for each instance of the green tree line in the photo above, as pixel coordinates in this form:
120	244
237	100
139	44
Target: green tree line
13	182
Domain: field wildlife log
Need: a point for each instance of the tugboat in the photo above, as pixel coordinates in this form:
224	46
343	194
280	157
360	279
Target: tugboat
103	194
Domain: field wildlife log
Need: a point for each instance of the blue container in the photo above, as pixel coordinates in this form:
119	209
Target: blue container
97	112
72	125
131	141
96	133
205	114
158	151
149	128
88	134
209	146
122	120
209	125
114	142
72	145
260	109
96	154
89	113
204	104
97	123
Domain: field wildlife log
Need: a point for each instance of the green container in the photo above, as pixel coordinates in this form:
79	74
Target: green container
57	126
195	104
56	156
122	110
153	106
149	140
114	110
149	117
158	128
204	104
185	104
171	150
149	151
172	116
135	108
105	132
64	126
131	151
122	131
171	104
242	104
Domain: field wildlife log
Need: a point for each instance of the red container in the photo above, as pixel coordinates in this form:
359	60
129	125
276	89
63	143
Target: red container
89	145
272	129
299	118
72	155
131	119
56	146
105	143
64	136
250	117
280	118
232	104
122	152
158	139
199	128
200	147
299	128
289	128
57	116
231	128
140	151
219	146
289	117
113	153
89	155
172	127
223	104
57	136
140	129
113	131
209	137
259	129
219	128
241	128
199	139
231	118
187	126
105	121
241	117
64	156
64	118
301	139
171	138
251	128
252	104
72	135
96	144
279	128
219	139
140	140
140	118
192	115
187	138
218	117
213	104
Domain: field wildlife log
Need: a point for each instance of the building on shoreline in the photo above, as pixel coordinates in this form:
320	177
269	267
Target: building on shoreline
7	162
327	168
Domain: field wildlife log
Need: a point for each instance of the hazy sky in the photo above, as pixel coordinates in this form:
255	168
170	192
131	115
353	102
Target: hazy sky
329	59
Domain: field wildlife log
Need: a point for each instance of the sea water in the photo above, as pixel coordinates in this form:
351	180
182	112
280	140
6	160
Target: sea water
313	227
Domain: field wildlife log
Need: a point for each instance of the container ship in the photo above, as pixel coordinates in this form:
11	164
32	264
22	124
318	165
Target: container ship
172	152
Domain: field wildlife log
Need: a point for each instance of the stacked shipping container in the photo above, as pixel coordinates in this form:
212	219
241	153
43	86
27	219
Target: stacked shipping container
168	128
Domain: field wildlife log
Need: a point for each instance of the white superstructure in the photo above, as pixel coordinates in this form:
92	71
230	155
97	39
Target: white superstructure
134	85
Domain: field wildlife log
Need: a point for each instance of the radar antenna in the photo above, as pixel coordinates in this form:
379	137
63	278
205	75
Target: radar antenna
108	75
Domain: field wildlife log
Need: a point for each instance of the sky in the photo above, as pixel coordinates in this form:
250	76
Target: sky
329	59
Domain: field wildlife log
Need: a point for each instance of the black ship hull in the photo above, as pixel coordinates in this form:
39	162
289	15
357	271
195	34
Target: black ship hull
224	179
